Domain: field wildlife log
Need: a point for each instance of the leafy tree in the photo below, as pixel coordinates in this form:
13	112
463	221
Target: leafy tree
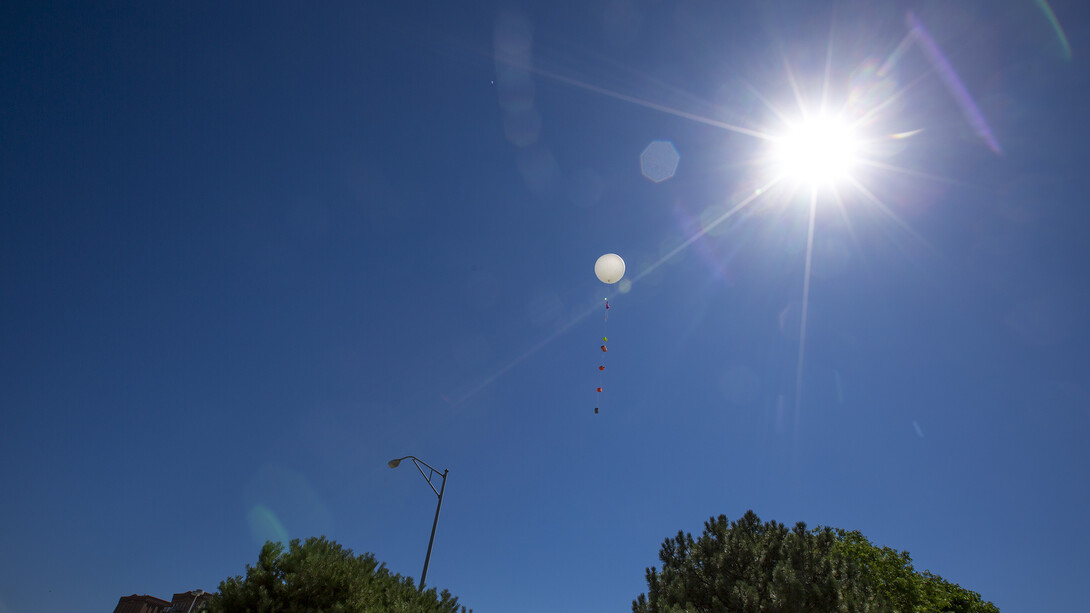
747	566
320	575
884	580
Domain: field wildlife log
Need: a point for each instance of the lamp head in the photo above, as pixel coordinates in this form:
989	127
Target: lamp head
393	463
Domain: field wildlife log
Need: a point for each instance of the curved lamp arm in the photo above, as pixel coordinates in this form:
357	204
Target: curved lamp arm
417	462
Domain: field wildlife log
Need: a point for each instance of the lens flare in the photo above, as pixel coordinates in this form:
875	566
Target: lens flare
265	525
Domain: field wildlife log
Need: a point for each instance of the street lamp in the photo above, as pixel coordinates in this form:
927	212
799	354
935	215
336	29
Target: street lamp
417	462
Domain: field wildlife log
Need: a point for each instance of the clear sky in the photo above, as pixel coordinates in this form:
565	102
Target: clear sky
250	253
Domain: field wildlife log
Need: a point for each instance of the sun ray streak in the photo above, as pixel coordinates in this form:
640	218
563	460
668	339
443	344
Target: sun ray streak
897	53
513	362
794	86
839	200
654	83
828	66
548	74
894	97
805	299
919	174
708	228
768	105
889	213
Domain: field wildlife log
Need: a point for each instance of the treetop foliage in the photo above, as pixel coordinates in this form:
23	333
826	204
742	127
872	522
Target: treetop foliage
747	566
321	575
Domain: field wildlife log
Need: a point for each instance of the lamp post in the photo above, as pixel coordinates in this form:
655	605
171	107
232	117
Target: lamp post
442	487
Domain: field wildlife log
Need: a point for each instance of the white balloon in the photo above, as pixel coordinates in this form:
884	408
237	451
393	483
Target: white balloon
609	268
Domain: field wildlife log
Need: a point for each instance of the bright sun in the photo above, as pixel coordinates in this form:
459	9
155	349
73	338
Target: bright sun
818	150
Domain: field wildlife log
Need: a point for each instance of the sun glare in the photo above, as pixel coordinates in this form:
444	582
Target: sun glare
819	150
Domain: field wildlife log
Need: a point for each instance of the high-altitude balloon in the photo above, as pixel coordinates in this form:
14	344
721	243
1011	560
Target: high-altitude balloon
609	268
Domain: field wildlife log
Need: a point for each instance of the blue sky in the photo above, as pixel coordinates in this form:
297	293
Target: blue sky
248	255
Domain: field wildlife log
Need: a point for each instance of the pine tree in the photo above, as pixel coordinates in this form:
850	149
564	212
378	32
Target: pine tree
747	566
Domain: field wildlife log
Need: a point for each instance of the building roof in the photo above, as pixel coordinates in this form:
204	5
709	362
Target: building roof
144	598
